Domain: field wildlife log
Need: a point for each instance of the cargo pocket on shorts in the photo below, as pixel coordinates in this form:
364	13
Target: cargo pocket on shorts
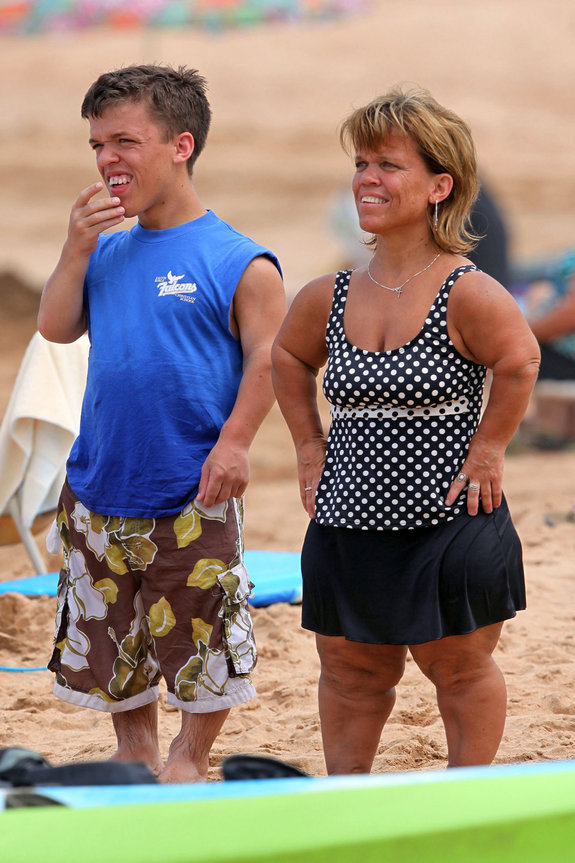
237	629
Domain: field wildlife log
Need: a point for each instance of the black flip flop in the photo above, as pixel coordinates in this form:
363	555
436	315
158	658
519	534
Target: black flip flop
238	767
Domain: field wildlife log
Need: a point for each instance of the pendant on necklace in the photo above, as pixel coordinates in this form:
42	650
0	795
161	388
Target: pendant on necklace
399	288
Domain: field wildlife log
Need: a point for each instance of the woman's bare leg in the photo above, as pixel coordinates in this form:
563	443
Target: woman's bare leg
471	693
356	696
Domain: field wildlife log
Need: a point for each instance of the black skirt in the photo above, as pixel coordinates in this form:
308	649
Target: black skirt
412	586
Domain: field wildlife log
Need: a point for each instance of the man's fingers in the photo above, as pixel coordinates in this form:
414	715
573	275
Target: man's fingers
96	216
88	193
85	206
104	218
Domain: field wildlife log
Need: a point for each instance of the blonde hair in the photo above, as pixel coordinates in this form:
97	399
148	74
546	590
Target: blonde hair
445	144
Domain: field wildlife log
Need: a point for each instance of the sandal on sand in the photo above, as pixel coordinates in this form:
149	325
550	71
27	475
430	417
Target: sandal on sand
22	798
238	767
15	759
23	768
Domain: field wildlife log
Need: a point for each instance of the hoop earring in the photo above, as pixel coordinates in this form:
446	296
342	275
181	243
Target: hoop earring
435	218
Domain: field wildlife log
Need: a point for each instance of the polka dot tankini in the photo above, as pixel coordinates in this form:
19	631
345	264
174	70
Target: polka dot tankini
401	423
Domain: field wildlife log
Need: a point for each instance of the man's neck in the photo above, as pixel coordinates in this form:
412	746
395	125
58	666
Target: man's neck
180	209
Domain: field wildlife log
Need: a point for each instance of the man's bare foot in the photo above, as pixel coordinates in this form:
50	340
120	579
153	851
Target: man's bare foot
189	755
150	757
137	735
182	771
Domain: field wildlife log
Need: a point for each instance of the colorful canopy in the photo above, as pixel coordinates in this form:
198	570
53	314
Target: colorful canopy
32	16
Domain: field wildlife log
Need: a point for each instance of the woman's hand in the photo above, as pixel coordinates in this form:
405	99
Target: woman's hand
487	327
298	353
310	459
482	474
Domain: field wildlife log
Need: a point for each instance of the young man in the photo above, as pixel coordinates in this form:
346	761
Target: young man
181	312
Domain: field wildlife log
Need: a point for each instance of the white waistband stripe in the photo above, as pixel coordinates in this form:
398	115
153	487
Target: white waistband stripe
457	406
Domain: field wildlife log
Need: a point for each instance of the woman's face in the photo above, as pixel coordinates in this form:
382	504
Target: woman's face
393	187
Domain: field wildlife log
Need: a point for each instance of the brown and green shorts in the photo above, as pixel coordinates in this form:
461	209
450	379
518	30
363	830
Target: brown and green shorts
145	598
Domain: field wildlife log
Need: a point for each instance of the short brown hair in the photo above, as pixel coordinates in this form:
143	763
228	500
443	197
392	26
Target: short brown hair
176	98
445	144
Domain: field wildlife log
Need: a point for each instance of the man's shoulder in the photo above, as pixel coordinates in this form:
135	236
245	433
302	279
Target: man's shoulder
232	234
244	246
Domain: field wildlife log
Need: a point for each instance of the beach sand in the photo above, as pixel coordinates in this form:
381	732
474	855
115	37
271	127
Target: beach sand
272	167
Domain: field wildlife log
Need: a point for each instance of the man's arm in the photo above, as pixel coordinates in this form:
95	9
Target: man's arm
257	312
61	317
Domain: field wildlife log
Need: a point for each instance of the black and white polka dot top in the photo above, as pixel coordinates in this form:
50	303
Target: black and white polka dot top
401	423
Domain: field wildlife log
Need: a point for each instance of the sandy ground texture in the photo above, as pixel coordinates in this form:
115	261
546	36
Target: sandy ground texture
272	168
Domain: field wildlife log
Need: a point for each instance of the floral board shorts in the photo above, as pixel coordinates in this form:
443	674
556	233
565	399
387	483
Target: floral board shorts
144	598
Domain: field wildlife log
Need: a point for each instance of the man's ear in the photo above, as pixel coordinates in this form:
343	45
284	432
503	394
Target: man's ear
184	147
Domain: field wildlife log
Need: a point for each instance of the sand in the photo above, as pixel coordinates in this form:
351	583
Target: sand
272	168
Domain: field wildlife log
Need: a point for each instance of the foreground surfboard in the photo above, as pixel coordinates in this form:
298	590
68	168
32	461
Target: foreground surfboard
512	813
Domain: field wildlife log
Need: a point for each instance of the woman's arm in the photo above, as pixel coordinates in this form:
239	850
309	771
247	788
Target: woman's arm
298	353
487	326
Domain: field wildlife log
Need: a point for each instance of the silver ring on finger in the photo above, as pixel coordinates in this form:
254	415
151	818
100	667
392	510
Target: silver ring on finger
308	488
462	477
474	486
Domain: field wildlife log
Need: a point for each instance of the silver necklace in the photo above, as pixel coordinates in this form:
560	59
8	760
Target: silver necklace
399	288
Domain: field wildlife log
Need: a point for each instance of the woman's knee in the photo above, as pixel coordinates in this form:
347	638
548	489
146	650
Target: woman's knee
457	673
355	667
456	677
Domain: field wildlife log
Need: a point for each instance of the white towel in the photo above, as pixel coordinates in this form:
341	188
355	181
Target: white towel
41	423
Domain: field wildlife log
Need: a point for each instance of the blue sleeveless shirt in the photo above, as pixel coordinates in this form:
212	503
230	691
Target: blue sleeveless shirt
164	368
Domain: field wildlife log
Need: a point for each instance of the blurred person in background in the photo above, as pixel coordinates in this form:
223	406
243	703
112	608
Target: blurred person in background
546	292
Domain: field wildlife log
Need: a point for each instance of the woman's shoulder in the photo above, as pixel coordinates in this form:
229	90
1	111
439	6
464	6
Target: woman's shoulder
471	280
467	281
324	283
317	293
477	297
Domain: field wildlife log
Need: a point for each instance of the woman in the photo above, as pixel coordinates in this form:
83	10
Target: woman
410	544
